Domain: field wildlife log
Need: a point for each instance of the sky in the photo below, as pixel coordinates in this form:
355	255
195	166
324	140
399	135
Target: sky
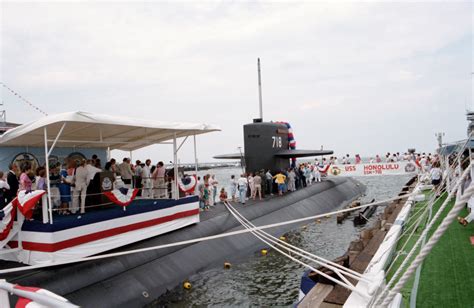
354	77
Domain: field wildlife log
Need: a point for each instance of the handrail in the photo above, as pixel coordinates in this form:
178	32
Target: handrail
43	299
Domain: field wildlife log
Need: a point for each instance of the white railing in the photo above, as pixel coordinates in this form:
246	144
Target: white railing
47	299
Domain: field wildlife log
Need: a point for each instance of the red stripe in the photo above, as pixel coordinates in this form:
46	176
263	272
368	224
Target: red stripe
51	247
22	301
6	231
29	289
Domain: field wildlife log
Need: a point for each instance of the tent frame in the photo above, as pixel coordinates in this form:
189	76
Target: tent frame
49	149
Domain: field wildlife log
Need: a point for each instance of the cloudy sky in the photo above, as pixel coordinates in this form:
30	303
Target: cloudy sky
356	77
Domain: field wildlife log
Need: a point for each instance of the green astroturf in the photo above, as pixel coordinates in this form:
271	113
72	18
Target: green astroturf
447	274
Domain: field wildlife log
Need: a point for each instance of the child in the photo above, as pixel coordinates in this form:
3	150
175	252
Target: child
201	197
206	197
41	184
223	195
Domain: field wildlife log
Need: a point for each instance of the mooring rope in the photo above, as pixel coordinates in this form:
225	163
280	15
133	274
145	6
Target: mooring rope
347	284
296	250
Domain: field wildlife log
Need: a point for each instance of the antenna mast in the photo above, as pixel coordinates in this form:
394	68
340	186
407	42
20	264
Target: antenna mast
260	89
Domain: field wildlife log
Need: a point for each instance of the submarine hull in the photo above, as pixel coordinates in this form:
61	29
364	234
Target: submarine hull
138	279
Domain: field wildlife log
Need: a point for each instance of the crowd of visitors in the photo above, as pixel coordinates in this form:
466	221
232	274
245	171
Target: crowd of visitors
388	158
259	184
76	183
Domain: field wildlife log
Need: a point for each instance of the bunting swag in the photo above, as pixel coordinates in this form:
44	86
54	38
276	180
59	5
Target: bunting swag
26	201
187	183
122	196
324	169
7	215
28	303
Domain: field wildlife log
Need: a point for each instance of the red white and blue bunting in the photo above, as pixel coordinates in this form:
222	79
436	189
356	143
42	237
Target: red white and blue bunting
122	196
291	141
188	183
324	169
7	215
26	201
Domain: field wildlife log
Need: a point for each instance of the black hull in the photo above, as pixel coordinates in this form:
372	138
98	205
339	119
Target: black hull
123	281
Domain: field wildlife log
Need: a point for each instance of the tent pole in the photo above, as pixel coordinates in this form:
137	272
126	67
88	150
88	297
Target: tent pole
175	162
195	157
46	160
56	139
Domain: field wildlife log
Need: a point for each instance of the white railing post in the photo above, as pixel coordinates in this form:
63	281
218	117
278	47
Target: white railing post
4	299
48	184
175	161
195	157
44	210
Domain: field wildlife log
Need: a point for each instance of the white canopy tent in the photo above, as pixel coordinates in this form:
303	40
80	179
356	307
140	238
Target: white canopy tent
87	130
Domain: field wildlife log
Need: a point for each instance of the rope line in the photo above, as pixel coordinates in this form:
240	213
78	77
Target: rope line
305	254
418	242
264	239
431	243
413	227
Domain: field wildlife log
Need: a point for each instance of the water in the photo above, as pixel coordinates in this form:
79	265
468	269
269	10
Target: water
273	280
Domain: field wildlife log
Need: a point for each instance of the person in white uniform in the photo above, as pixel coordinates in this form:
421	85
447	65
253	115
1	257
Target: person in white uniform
147	184
80	188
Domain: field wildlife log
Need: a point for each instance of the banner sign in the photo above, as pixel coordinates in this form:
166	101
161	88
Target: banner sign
398	168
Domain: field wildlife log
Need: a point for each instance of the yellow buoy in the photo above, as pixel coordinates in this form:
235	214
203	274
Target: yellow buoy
282	238
264	252
227	265
187	285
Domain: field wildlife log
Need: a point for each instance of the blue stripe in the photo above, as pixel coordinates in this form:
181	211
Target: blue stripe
306	283
138	206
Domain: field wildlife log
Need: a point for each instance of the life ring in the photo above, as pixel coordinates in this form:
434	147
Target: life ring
187	183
